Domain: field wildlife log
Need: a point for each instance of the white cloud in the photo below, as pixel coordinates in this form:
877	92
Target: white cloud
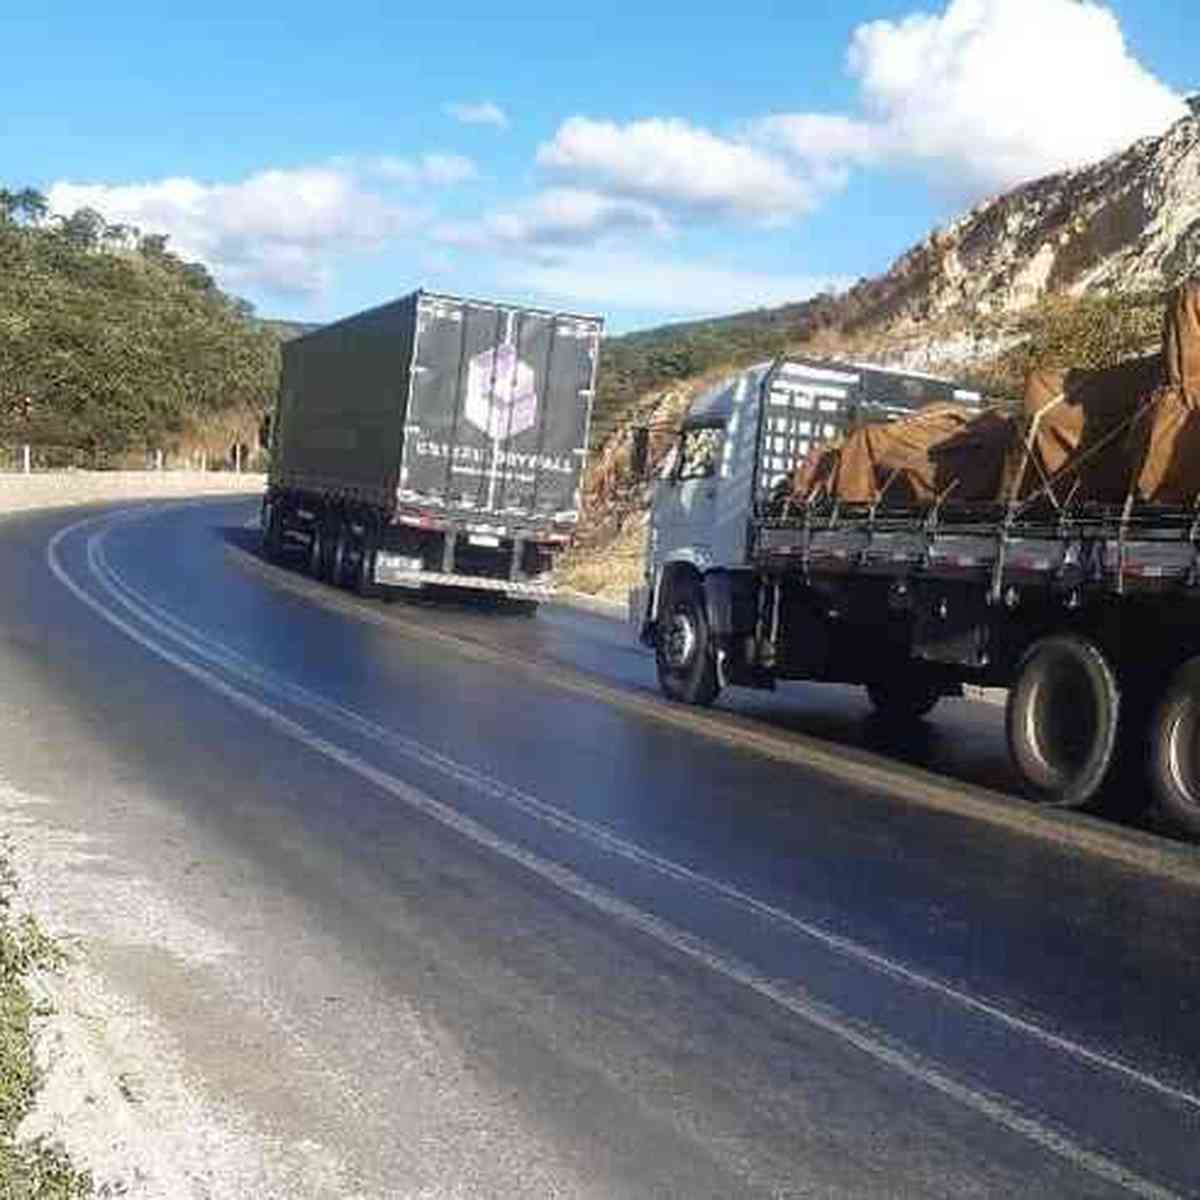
554	218
278	229
987	94
436	170
597	278
669	162
821	138
484	113
982	95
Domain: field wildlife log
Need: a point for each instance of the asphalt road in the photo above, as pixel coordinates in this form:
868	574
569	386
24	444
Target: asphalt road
494	920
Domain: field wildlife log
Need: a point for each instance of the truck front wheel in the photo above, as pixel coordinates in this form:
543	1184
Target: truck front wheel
1063	718
1175	749
687	670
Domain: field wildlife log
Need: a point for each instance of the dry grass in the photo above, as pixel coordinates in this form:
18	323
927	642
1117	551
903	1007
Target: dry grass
609	570
29	1170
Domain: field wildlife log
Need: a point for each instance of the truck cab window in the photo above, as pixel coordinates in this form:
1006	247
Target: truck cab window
699	453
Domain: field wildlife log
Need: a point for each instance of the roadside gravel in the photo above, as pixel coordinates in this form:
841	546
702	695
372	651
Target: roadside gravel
115	1091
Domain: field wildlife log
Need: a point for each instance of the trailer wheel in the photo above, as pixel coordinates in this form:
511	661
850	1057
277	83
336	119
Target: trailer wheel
687	670
364	568
318	552
905	697
1175	749
340	557
1062	718
271	533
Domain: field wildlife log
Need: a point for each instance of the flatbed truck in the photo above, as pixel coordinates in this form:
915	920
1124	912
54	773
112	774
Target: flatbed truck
1089	614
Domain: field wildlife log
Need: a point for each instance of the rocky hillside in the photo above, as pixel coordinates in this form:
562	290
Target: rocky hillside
1126	225
1071	267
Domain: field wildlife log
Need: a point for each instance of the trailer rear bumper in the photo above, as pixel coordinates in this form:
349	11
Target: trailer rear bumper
388	574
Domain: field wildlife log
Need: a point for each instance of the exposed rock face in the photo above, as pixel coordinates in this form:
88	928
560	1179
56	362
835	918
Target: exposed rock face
1130	223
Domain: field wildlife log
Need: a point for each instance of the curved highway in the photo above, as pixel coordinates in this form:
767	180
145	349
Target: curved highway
494	919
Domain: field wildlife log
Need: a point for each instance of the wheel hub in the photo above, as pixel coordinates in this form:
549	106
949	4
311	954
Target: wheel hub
679	644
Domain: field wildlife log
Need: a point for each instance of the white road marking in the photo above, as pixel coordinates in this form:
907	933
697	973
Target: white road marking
791	999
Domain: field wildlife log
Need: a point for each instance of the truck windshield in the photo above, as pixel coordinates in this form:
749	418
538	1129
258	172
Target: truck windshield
699	452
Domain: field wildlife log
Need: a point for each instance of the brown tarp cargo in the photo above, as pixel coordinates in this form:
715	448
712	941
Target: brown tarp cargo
1181	340
1082	434
815	475
973	465
1084	430
1170	465
893	462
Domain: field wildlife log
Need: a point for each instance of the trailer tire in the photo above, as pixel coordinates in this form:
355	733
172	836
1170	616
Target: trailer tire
1175	749
318	552
907	698
364	568
271	533
340	557
1063	718
687	671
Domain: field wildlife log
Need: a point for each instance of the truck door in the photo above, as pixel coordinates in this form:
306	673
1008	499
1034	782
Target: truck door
685	506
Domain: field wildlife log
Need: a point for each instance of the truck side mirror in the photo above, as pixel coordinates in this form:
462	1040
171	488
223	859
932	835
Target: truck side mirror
639	452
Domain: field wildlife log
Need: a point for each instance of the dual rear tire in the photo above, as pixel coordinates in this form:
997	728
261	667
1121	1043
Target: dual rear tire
1082	740
334	555
1063	718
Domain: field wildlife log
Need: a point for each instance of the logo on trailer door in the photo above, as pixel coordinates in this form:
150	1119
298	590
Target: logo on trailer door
501	396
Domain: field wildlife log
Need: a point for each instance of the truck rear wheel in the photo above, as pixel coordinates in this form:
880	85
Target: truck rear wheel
1175	749
1063	718
687	670
905	697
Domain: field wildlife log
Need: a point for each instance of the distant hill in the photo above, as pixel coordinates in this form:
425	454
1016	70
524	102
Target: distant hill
112	345
285	331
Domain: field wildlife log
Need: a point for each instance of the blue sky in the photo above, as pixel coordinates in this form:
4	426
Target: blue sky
646	161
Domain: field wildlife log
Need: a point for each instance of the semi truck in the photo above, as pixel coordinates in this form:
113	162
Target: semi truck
1088	613
433	442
